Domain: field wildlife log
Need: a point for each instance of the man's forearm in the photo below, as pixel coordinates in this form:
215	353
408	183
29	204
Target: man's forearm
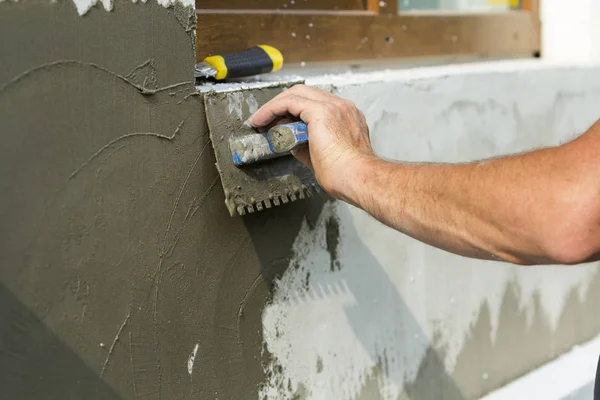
517	208
534	208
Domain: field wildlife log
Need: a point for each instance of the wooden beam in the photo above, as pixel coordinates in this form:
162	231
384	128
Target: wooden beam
383	6
533	7
281	4
308	36
373	5
529	5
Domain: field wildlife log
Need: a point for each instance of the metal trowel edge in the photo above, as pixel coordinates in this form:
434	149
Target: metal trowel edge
261	185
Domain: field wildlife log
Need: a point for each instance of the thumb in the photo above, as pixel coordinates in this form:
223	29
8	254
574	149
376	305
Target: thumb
303	155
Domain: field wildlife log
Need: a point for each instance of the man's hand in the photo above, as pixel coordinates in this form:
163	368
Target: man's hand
338	135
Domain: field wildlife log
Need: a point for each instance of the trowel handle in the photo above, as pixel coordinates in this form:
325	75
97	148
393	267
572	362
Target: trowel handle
253	61
285	137
277	142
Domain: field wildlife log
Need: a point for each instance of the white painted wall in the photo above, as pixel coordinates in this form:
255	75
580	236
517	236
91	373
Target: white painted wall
394	295
570	30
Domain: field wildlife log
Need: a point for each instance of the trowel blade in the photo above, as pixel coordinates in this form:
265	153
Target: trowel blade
259	186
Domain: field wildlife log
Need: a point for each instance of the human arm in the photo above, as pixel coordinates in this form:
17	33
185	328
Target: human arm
539	207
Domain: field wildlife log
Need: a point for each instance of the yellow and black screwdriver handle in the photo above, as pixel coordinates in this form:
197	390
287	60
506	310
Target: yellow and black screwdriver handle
256	60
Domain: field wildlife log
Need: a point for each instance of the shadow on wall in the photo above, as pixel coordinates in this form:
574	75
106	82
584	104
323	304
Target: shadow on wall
29	349
432	381
371	324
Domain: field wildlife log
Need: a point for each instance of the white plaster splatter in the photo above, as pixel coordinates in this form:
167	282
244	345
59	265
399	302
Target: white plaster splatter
234	101
169	3
83	6
192	358
266	81
371	313
252	104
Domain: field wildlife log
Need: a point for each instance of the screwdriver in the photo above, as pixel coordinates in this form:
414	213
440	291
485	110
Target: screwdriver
253	61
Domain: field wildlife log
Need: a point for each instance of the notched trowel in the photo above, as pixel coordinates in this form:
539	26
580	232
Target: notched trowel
257	171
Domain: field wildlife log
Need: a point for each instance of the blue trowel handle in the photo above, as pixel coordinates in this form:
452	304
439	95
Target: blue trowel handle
277	142
286	137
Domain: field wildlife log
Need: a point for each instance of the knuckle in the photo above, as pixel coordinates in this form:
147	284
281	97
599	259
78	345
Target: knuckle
341	104
347	106
293	98
297	88
330	108
288	92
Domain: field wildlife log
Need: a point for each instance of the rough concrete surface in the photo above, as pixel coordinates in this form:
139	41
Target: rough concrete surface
124	277
121	274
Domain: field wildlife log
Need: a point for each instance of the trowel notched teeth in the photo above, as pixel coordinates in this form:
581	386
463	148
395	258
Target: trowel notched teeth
273	201
241	210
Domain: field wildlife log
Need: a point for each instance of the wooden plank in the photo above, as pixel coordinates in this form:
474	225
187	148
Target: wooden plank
281	4
306	36
389	7
529	5
373	5
533	7
383	6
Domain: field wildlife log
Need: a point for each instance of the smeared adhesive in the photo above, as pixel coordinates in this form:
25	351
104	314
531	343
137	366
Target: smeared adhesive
191	359
369	313
224	87
252	104
83	6
234	101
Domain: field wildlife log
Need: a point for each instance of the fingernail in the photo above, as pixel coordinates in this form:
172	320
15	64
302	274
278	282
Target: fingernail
247	123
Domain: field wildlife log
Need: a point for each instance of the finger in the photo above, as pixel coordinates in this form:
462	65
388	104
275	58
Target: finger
280	106
285	120
309	92
277	121
303	155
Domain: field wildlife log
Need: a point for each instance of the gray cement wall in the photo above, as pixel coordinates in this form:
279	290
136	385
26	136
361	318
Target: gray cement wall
124	277
374	314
